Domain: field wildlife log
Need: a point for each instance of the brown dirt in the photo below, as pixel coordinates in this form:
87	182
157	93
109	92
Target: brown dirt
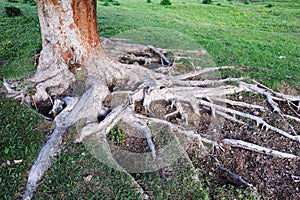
274	178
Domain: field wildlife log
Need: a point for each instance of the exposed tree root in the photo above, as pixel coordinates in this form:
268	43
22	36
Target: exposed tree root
259	121
233	175
257	148
49	150
134	91
237	177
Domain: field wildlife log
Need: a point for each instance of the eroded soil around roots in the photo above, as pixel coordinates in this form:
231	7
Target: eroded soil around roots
273	178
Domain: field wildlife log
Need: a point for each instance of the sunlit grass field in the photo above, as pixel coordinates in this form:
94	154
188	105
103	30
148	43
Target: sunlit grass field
252	36
261	38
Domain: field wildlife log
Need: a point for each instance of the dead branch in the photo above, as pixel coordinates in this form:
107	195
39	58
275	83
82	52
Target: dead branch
276	96
273	104
213	82
237	177
292	117
257	148
7	86
229	117
233	175
296	179
279	95
290	104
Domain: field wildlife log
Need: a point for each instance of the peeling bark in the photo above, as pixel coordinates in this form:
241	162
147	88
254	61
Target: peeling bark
69	36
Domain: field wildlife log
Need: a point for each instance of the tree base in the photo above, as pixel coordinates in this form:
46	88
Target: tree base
148	91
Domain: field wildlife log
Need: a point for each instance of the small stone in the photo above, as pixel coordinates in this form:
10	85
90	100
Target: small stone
18	161
87	178
288	77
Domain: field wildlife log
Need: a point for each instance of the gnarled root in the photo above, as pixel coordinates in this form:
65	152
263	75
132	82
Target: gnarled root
134	91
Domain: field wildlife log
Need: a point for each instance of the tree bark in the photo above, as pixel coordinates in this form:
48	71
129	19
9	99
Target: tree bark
69	35
130	93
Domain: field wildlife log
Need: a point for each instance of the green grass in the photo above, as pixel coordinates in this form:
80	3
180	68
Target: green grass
174	184
19	39
22	137
249	36
65	179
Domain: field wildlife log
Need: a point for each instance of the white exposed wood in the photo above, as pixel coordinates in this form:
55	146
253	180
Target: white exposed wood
277	94
257	148
7	86
202	71
49	150
162	56
292	117
259	121
239	103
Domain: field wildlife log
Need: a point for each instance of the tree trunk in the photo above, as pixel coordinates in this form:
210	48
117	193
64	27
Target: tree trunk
69	36
112	93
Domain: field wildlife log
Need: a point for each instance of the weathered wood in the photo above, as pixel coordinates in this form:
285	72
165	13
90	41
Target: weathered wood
257	148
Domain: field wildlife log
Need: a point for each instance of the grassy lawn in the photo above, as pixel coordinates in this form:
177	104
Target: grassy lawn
250	36
262	39
22	134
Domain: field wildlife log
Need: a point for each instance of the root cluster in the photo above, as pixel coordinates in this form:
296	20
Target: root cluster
129	92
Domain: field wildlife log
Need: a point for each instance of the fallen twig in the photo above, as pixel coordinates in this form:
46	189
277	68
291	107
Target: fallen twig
292	117
235	176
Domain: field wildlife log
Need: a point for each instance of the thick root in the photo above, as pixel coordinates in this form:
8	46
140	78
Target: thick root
115	92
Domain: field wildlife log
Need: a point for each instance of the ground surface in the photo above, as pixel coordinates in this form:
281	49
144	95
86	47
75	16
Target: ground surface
273	178
249	36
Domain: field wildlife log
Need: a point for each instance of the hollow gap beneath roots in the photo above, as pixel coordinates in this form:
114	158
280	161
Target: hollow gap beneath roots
43	107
